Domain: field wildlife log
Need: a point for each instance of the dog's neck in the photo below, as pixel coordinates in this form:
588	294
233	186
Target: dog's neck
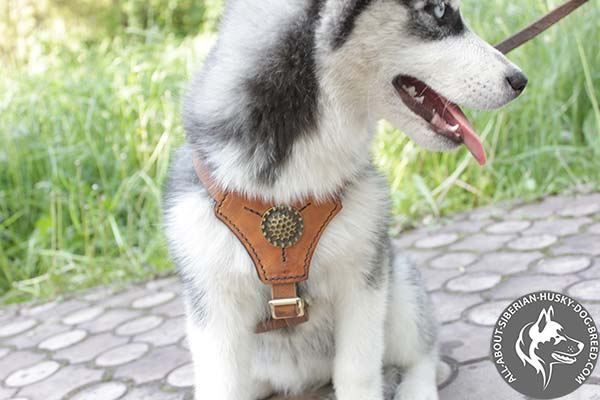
319	164
277	119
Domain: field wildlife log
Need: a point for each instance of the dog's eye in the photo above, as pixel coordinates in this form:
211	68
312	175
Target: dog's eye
439	10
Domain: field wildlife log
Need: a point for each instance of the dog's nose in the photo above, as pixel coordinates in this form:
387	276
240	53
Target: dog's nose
517	81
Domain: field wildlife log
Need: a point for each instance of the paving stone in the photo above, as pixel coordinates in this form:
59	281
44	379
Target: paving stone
90	348
124	298
64	308
557	227
63	340
464	342
516	286
563	265
162	283
479	381
579	244
453	260
182	376
489	212
595	229
7	393
155	365
508	227
122	354
585	392
580	208
487	314
83	315
184	343
152	393
4	352
593	272
408	238
35	373
418	257
435	279
7	316
434	241
466	226
482	243
586	291
110	320
139	325
18	360
449	307
444	373
169	332
505	262
17	327
539	210
59	385
38	309
97	294
32	337
153	300
475	282
102	391
172	309
534	242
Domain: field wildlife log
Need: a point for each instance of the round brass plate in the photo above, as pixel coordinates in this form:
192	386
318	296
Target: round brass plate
282	226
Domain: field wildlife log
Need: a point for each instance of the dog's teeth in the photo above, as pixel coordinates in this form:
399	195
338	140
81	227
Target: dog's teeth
420	99
410	90
453	128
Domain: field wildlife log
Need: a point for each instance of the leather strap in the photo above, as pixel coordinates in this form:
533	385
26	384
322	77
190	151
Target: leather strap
539	26
279	263
283	292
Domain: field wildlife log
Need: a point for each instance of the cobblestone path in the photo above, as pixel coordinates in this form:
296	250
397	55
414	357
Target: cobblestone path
102	345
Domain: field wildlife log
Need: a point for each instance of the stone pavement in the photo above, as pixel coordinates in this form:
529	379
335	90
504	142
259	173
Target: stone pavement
102	345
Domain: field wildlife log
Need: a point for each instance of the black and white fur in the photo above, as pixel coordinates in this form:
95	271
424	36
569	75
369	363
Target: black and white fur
285	107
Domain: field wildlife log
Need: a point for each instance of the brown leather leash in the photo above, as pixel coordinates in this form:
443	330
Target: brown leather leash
280	239
539	26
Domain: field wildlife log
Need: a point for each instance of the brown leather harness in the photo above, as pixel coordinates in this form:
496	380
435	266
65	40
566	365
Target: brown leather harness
280	239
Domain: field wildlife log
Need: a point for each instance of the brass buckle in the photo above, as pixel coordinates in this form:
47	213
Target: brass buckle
297	301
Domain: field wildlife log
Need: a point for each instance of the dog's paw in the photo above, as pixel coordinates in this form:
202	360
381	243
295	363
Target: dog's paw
415	390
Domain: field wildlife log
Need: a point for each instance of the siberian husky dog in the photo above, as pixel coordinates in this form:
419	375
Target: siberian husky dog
285	107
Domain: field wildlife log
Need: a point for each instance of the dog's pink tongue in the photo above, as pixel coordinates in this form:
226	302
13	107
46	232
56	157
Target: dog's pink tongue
466	131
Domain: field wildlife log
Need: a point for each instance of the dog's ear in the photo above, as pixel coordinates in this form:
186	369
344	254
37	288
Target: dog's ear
545	317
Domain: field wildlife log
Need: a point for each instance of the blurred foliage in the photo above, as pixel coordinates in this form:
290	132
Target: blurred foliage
26	25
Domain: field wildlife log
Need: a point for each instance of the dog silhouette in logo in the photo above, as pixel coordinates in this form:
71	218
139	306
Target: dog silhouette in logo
543	344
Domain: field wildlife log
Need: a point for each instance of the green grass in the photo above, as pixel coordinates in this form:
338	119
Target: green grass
88	124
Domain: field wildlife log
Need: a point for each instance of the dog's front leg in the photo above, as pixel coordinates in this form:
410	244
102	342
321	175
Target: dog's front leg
359	335
221	355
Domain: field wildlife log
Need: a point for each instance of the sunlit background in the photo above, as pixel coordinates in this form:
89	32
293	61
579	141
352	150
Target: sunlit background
90	95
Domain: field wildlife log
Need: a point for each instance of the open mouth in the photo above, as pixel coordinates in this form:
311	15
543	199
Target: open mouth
444	117
563	358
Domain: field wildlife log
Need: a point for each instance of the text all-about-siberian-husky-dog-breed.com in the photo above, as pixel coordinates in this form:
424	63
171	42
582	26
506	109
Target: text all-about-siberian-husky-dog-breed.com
284	110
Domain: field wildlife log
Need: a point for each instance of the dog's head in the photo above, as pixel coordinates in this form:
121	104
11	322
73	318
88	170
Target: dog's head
544	343
414	61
